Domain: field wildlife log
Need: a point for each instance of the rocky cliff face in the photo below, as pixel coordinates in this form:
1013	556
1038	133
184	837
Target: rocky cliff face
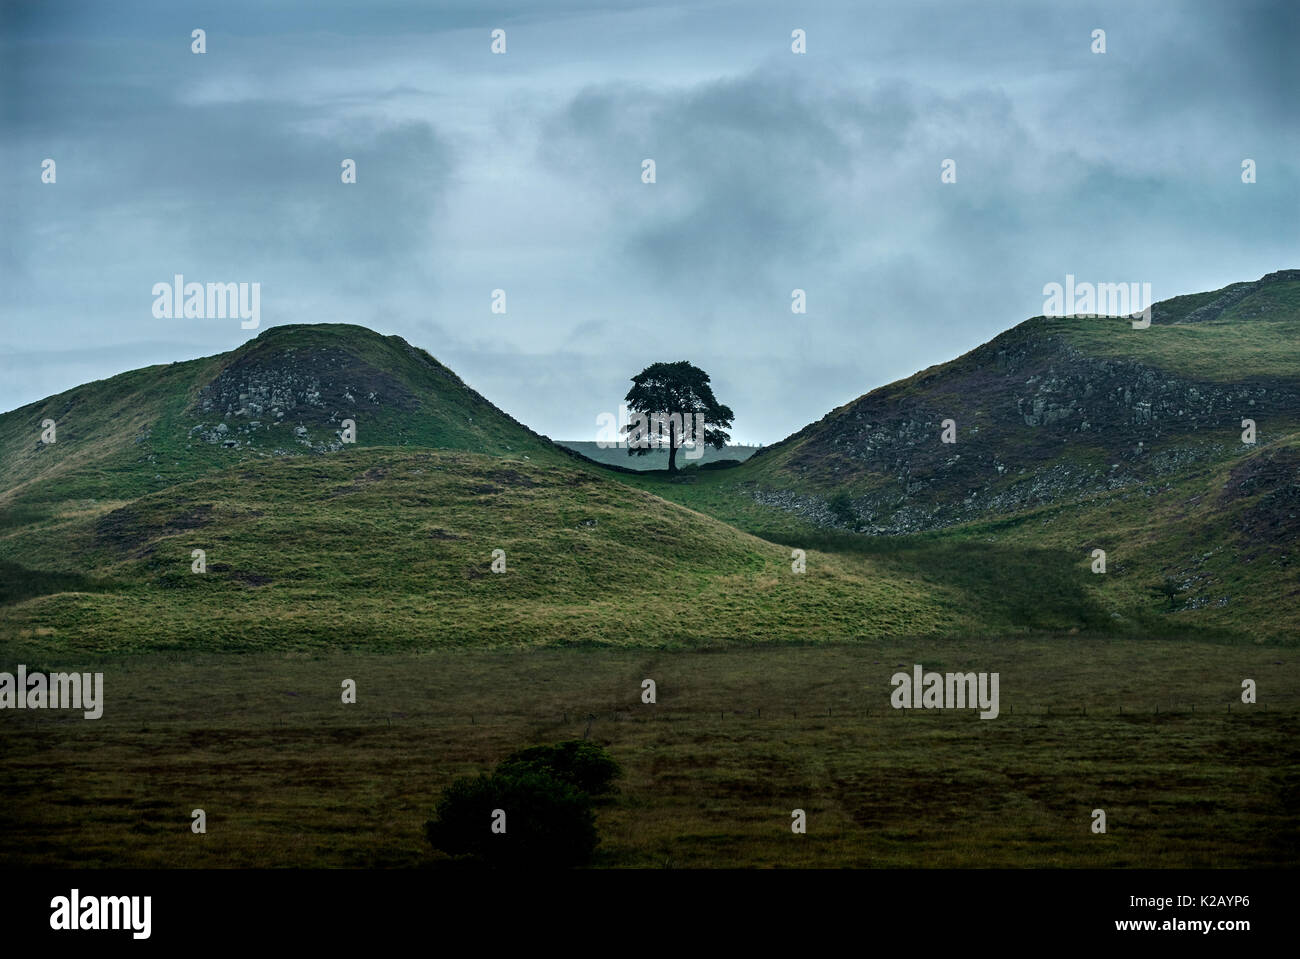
1037	421
297	397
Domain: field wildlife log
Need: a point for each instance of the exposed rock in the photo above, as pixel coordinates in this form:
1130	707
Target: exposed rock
1038	422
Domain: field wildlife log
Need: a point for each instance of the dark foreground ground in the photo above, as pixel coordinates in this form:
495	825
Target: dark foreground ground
1152	732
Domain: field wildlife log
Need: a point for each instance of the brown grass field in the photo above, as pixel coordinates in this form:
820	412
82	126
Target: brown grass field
1152	732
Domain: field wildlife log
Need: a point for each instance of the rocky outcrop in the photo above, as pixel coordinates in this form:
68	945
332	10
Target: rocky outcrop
315	385
1234	295
293	399
1037	421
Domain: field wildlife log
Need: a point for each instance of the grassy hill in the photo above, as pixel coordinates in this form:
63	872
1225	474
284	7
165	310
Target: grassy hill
385	549
1072	435
283	394
1050	410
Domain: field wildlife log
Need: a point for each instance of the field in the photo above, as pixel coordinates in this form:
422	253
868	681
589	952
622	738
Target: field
1153	732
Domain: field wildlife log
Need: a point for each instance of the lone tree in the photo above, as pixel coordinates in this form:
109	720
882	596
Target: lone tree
1168	588
676	397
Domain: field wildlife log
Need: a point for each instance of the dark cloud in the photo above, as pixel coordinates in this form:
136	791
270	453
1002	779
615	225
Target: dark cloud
774	171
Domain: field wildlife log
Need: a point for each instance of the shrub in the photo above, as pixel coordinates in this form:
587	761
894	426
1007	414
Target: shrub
1168	588
580	763
841	507
549	822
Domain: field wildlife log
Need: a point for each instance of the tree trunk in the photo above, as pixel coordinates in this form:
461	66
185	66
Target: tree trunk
672	447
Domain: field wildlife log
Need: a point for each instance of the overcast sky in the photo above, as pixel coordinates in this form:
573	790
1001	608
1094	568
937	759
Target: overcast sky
523	172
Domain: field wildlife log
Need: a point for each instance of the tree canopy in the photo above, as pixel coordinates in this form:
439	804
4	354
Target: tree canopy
675	404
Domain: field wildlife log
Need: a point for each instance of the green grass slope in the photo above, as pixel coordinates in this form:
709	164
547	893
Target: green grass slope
390	549
1073	435
282	394
387	549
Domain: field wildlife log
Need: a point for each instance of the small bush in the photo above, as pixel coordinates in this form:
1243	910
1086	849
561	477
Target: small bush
580	763
841	507
1168	588
549	822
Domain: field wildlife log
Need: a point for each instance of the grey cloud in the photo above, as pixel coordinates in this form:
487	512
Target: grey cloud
774	172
